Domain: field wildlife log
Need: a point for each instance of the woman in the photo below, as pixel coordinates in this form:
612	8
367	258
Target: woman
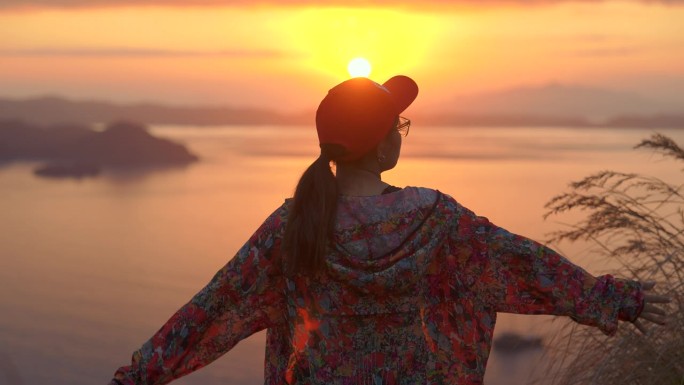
361	282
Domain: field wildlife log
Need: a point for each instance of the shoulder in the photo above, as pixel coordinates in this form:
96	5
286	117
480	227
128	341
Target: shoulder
452	214
423	194
276	221
440	199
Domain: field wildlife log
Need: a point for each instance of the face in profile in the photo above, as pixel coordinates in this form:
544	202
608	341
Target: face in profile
390	148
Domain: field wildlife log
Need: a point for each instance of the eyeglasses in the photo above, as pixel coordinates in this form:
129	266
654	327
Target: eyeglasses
403	126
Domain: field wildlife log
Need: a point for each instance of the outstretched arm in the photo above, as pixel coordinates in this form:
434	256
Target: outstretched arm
244	297
519	275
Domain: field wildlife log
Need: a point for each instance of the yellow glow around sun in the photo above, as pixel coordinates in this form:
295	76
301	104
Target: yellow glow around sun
359	67
395	41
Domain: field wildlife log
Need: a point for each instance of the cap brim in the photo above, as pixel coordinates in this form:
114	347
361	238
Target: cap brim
403	90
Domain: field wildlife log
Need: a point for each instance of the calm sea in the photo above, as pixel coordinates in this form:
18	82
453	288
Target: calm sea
90	269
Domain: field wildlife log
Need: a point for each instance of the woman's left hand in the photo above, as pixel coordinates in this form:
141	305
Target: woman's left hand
653	311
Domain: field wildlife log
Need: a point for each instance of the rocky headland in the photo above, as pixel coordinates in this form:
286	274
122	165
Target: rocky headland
81	151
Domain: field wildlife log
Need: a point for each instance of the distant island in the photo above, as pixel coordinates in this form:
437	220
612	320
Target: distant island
551	106
80	151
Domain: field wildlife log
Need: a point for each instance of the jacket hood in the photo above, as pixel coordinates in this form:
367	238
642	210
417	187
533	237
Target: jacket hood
384	243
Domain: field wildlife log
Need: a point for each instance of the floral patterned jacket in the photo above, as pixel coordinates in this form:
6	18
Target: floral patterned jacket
410	295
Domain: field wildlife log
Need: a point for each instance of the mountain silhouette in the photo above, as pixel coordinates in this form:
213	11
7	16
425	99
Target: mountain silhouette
558	101
54	109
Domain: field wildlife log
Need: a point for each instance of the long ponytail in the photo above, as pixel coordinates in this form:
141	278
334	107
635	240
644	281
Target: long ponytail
311	220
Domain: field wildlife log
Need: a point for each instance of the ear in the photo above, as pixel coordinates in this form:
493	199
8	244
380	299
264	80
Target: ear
383	147
379	151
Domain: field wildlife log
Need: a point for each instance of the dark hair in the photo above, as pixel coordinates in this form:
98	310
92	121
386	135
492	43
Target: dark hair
311	219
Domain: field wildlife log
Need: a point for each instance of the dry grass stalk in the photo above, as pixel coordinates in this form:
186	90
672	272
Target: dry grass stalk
638	221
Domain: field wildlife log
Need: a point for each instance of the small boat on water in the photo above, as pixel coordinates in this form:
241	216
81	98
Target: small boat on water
513	343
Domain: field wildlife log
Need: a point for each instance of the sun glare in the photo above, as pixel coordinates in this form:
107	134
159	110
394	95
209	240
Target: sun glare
359	67
326	38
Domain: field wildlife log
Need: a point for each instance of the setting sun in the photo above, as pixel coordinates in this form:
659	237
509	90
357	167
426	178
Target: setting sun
359	67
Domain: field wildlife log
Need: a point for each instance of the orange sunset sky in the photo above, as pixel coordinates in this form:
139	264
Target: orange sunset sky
285	55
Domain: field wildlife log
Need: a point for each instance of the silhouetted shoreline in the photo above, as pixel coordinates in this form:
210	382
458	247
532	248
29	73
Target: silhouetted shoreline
66	170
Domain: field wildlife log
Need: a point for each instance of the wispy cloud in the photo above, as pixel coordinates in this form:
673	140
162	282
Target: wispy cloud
603	45
610	51
28	4
142	53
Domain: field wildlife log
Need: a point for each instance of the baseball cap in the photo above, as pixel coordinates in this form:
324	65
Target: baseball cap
358	113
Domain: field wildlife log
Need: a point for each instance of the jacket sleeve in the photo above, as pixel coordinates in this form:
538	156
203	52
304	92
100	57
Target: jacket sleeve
519	275
244	297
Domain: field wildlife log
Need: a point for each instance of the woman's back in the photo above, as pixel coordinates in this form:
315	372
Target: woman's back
410	294
361	321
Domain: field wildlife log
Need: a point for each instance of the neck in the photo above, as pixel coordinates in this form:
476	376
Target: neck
359	181
375	173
